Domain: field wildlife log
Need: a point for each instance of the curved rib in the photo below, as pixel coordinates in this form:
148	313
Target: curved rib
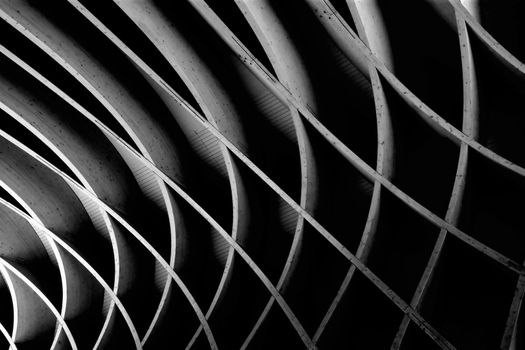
108	226
470	128
466	14
367	17
54	255
288	312
49	204
429	216
14	300
116	139
7	336
139	126
364	168
349	43
55	238
290	70
79	162
12	113
3	330
398	193
113	231
285	95
114	213
14	303
66	199
5	265
204	87
511	326
350	156
369	274
111	136
200	81
165	256
215	103
21	243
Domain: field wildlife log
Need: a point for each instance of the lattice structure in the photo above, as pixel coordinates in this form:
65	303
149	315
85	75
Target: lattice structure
261	174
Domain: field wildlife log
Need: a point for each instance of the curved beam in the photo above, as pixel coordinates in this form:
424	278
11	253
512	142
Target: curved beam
369	274
434	219
468	11
50	203
288	312
291	72
7	336
14	303
3	330
367	17
349	43
111	136
9	281
79	162
141	129
469	16
90	117
92	271
206	89
364	168
113	231
8	267
215	103
350	156
470	128
520	272
20	243
511	326
162	84
79	65
114	213
360	165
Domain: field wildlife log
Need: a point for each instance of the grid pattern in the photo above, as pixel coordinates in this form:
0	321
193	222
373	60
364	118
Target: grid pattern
141	189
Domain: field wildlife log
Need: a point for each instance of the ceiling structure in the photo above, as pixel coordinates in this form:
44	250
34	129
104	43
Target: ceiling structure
254	174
